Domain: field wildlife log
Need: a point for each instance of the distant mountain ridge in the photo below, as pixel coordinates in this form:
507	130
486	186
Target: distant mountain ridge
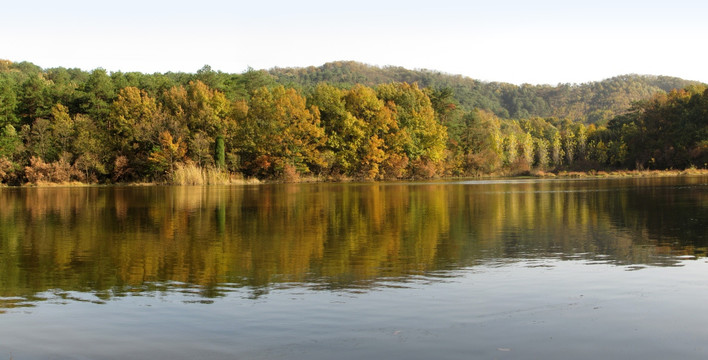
593	102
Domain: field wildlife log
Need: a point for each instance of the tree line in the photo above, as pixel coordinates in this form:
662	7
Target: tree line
59	125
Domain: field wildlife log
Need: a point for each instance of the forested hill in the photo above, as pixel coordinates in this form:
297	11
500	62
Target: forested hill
594	102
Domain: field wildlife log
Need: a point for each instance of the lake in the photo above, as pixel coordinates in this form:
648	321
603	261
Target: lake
488	269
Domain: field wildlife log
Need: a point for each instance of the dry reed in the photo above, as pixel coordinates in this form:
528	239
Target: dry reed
192	174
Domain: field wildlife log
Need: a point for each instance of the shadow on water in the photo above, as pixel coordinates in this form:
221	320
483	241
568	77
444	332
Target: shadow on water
209	241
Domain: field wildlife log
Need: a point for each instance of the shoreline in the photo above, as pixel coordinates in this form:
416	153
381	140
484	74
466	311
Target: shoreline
616	174
621	173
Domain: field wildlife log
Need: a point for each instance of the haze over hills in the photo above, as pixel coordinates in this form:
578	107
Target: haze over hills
594	102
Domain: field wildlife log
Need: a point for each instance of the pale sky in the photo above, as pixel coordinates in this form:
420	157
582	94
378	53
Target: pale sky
537	42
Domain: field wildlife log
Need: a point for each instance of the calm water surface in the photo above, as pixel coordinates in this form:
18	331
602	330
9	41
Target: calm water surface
511	269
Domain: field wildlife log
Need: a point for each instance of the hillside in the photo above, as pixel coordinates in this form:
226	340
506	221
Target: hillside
594	102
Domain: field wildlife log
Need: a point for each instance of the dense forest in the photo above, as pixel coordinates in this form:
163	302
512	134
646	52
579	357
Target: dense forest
339	121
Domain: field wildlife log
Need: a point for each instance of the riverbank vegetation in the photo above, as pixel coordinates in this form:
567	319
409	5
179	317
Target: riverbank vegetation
67	125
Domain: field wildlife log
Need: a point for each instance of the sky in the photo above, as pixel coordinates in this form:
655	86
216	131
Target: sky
536	42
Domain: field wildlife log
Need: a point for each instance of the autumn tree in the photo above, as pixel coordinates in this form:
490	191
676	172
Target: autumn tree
10	148
541	146
526	149
380	141
569	145
133	114
201	115
279	131
136	123
206	109
556	147
423	137
40	140
62	128
169	152
511	149
89	148
346	134
10	142
479	137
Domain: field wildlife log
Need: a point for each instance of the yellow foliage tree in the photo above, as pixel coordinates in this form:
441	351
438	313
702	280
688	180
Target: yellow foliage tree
280	129
169	153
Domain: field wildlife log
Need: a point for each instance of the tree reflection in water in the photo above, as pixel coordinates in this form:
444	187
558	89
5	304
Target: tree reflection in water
114	241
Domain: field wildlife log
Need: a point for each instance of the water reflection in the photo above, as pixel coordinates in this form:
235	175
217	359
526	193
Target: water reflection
210	240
